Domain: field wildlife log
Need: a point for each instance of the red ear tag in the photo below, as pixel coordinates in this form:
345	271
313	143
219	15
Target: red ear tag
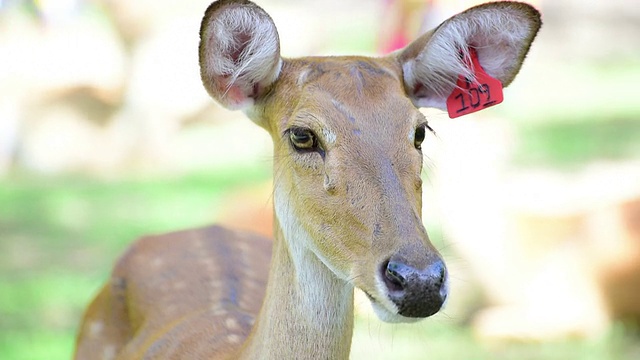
469	97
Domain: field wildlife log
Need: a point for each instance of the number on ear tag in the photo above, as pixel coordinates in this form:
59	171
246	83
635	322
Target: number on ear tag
468	96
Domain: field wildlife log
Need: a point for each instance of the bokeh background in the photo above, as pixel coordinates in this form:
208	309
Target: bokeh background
107	134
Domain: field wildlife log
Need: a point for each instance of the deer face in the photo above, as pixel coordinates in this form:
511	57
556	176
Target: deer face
348	162
347	135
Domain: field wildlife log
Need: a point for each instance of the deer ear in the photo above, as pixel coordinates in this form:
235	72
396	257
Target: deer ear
501	33
239	52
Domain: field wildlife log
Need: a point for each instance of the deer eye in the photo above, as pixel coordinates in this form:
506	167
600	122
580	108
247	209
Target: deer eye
419	136
303	139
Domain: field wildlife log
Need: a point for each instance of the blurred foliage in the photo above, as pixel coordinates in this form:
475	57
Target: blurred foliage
567	144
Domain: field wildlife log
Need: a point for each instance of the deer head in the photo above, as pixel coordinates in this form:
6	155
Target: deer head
347	137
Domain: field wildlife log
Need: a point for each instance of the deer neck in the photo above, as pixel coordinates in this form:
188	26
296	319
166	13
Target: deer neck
307	311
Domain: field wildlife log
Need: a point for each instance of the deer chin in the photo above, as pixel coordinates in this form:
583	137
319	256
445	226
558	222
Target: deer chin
386	311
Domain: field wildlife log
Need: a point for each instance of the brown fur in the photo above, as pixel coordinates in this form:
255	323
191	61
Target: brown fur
167	290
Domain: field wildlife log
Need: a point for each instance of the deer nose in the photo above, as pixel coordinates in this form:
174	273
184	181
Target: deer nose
416	292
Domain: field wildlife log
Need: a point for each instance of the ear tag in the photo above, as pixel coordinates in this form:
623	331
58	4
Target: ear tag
469	97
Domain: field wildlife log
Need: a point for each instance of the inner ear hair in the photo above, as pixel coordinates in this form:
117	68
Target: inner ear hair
239	52
500	32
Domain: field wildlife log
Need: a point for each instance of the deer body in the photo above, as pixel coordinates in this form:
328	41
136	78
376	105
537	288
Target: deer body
347	198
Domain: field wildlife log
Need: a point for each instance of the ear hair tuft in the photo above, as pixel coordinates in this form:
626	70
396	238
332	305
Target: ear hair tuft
239	52
500	32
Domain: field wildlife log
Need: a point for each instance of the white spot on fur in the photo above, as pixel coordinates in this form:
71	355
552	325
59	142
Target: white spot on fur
218	310
234	338
329	136
302	78
109	352
96	328
157	262
231	324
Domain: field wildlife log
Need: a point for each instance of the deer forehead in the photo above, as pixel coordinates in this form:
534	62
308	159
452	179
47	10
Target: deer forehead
346	100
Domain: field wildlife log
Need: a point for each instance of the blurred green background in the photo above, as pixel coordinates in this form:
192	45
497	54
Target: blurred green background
106	135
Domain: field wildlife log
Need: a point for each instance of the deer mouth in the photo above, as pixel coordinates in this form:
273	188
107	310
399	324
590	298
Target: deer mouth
386	311
406	296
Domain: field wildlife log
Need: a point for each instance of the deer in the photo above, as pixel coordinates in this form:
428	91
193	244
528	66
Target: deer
347	134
